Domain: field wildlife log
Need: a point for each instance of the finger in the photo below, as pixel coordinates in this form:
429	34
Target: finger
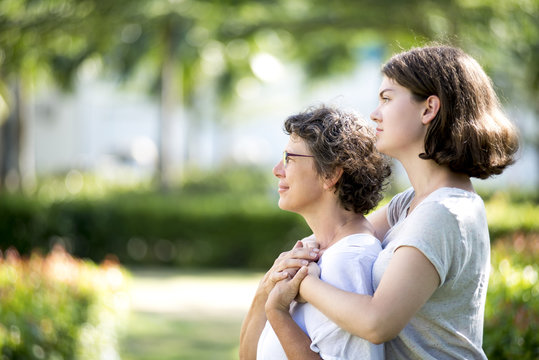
304	253
290	272
291	264
278	276
299	253
300	275
299	244
310	242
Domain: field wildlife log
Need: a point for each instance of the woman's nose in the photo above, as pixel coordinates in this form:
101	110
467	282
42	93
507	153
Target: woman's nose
278	169
375	115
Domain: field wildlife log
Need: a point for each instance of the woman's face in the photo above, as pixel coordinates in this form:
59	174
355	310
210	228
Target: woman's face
300	186
399	131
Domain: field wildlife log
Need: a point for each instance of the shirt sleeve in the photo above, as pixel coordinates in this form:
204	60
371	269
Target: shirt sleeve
398	205
435	232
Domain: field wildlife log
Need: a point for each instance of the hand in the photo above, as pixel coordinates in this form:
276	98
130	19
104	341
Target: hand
286	266
284	292
314	270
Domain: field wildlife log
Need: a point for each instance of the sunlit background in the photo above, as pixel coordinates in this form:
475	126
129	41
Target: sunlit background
137	138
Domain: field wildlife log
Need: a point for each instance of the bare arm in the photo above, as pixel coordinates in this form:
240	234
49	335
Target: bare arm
252	327
294	341
378	219
253	324
408	282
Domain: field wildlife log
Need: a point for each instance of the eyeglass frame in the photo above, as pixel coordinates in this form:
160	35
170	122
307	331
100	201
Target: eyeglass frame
286	154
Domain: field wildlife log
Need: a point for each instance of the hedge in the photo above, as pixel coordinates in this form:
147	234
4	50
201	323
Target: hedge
215	231
216	227
197	227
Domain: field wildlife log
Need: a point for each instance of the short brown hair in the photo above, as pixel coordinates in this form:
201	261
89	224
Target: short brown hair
470	134
339	139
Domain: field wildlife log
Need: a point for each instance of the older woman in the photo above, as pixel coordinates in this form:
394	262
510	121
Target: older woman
332	175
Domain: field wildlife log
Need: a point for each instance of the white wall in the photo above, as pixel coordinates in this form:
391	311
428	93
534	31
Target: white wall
96	127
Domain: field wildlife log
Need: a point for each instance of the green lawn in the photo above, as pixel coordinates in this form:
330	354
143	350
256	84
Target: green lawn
184	315
152	336
197	315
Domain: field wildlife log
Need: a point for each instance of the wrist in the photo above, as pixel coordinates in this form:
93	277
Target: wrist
306	285
273	313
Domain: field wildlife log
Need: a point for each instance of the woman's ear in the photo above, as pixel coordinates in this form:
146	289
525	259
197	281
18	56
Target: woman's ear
432	107
330	181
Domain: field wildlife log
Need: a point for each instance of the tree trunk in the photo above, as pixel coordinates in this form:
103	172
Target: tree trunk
17	165
168	99
10	132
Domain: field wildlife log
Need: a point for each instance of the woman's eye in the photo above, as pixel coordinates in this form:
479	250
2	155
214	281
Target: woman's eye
385	100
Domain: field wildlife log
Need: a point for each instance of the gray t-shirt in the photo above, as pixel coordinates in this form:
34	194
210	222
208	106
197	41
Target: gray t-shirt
450	228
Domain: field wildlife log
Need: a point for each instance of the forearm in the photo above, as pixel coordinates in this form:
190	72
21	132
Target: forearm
294	341
252	327
358	314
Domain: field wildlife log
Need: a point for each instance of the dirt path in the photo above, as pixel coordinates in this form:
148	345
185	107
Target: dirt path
191	294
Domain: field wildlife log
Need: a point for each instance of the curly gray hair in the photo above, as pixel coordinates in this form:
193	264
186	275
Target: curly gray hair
340	139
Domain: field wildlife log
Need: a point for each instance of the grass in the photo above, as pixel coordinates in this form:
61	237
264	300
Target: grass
188	330
198	314
153	336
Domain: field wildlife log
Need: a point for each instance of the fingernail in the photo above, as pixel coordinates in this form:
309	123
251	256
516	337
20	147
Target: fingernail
304	262
313	254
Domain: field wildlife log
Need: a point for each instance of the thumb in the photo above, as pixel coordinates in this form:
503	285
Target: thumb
300	275
298	245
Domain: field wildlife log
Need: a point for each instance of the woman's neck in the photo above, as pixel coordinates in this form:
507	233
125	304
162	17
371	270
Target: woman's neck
427	176
328	229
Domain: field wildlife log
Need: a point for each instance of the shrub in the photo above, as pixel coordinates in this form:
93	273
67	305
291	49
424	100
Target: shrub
512	310
57	307
223	229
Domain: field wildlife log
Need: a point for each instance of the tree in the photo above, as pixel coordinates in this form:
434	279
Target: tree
173	40
50	38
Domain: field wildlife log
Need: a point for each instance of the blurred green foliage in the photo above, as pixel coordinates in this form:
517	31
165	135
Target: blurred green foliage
223	219
512	309
231	219
57	307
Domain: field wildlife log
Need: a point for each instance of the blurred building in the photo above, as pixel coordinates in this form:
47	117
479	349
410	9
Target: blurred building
99	128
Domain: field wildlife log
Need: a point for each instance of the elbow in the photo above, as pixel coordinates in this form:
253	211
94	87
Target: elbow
246	354
378	339
380	330
378	336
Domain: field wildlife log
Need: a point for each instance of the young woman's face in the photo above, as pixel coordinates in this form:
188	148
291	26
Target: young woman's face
399	130
300	186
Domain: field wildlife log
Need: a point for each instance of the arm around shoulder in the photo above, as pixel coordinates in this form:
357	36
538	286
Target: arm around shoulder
407	284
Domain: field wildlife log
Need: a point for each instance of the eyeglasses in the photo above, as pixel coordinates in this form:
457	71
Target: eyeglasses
286	155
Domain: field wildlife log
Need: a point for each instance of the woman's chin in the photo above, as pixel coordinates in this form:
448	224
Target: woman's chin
283	205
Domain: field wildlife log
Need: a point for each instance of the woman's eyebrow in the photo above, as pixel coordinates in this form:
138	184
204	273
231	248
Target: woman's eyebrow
384	91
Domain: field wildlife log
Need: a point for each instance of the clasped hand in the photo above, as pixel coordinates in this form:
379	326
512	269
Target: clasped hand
282	281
